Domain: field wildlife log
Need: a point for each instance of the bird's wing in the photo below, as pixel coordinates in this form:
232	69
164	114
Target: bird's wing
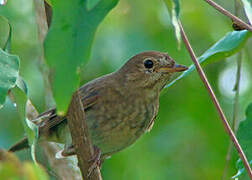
49	119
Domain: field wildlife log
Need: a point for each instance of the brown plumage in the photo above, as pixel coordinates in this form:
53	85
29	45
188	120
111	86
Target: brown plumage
119	107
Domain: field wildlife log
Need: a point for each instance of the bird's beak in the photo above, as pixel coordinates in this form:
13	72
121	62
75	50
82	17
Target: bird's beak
175	68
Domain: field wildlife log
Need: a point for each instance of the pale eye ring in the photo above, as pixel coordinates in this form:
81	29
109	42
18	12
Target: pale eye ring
148	63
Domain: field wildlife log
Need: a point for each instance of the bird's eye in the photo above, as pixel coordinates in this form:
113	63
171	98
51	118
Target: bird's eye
148	63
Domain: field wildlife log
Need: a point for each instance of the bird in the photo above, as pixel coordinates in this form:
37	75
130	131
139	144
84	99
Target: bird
119	107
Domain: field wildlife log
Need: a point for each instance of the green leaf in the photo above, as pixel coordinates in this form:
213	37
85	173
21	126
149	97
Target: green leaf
247	4
68	44
91	4
22	85
30	128
231	43
9	67
5	33
173	9
244	136
10	80
244	133
20	100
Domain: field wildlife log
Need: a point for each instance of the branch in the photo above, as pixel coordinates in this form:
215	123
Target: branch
231	16
80	137
64	168
215	102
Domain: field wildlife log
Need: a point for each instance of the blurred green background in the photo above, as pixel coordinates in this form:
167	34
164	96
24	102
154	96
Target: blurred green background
188	139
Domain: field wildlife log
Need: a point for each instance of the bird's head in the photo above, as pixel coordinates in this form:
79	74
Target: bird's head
151	69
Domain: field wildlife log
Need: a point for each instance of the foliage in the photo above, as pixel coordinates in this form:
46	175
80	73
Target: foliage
244	135
186	124
68	44
12	168
11	82
231	43
9	66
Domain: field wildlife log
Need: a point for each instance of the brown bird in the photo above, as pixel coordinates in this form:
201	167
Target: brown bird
119	107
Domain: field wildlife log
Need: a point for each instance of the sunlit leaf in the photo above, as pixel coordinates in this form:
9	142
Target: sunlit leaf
9	67
247	4
68	44
173	9
225	47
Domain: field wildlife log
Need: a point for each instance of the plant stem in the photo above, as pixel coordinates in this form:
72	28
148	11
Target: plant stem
236	89
235	113
215	102
231	16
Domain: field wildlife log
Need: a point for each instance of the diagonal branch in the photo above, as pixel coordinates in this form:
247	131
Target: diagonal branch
215	102
231	16
80	137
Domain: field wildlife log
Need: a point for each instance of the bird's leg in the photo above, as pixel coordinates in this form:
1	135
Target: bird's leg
95	161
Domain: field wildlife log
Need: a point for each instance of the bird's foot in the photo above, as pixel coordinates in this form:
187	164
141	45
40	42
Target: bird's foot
95	161
68	151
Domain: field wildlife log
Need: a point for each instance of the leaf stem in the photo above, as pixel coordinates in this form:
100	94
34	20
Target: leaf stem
215	102
236	101
235	112
228	14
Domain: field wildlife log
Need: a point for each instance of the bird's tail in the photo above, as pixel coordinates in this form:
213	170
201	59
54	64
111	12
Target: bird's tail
20	145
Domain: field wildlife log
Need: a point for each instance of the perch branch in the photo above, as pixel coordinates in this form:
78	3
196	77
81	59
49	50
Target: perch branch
64	168
231	16
80	137
215	102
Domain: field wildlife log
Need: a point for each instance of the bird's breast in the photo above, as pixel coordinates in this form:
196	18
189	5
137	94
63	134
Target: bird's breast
116	122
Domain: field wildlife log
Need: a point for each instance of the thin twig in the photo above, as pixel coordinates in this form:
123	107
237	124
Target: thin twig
236	89
231	16
80	136
215	102
235	113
